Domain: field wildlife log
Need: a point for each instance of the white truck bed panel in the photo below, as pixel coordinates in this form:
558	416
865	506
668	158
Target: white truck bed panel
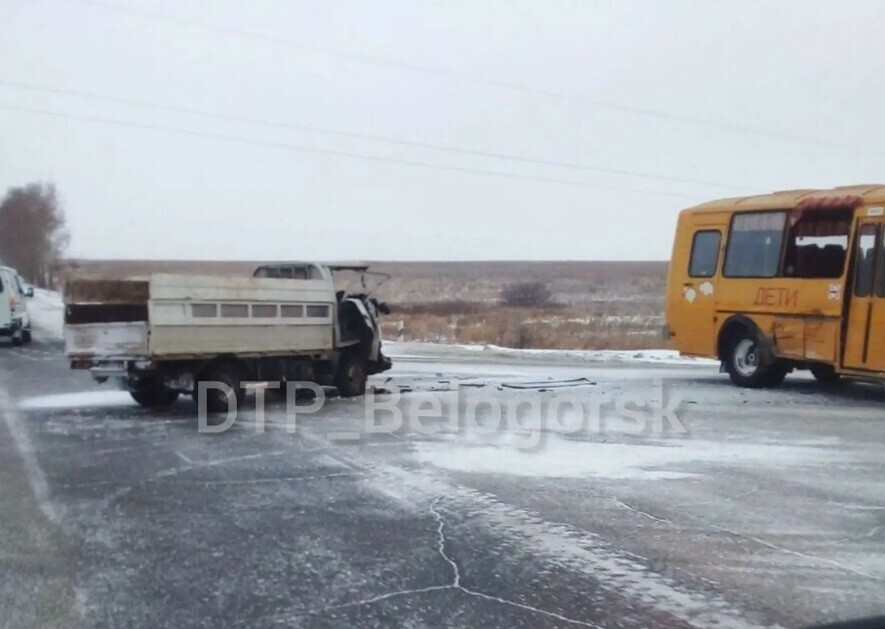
107	340
165	287
235	327
194	315
182	340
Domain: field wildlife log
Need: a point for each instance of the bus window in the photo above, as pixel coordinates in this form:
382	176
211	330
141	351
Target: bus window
880	275
704	254
754	244
865	261
817	245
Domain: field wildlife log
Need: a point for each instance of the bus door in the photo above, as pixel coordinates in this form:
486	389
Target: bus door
694	303
865	334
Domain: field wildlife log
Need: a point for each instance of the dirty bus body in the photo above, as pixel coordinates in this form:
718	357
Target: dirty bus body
789	280
164	334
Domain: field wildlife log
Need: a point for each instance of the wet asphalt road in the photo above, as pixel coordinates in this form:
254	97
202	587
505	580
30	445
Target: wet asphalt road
769	511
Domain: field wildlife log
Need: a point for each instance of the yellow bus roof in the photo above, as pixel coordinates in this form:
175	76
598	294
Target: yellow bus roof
788	199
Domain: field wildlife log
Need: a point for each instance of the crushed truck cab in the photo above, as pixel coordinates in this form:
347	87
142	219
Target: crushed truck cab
165	333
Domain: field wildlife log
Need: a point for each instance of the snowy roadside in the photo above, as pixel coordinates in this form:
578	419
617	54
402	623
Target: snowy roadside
396	349
46	310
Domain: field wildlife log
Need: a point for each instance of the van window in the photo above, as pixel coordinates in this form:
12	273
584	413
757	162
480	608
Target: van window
865	261
754	244
6	281
704	254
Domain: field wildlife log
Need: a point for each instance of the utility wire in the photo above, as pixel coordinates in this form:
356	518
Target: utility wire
361	136
734	128
310	149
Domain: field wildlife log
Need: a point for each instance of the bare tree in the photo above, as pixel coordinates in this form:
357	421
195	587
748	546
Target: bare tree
528	294
33	231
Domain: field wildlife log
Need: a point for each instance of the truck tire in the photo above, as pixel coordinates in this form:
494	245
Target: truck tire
227	373
26	335
153	394
826	375
351	375
745	363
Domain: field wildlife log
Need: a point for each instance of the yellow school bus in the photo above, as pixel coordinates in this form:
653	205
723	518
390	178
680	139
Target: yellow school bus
782	281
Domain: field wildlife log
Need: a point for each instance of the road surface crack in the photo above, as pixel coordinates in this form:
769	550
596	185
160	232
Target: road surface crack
456	577
455	584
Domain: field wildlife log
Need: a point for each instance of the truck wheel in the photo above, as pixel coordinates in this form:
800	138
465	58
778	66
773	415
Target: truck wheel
153	394
351	376
745	363
216	399
826	375
18	337
26	335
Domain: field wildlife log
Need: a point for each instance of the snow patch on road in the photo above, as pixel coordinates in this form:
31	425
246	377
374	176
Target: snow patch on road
438	350
560	458
83	399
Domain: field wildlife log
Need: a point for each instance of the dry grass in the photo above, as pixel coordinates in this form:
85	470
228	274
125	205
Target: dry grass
541	328
597	305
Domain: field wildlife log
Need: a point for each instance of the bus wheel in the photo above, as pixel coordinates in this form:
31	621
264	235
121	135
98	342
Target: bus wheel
826	375
745	363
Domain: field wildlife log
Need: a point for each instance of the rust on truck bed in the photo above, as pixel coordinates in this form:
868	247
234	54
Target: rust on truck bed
103	291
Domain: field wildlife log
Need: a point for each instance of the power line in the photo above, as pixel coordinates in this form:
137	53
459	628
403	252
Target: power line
362	136
458	76
362	156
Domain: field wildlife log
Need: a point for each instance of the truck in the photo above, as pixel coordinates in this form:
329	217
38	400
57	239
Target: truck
163	334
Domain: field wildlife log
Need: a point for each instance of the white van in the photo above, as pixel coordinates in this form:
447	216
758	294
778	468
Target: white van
14	320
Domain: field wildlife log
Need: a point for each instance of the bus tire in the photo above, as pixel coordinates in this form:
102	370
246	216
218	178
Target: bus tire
351	375
826	375
746	363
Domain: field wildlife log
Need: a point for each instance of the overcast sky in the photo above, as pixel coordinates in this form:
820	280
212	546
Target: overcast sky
684	101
